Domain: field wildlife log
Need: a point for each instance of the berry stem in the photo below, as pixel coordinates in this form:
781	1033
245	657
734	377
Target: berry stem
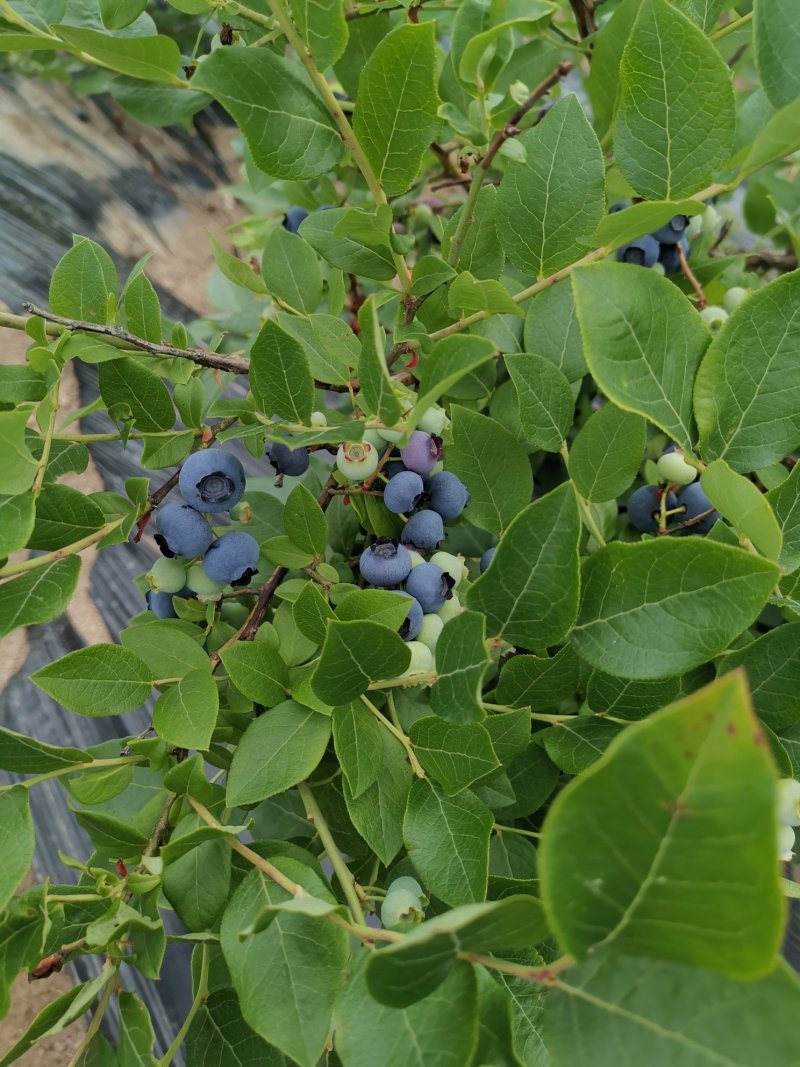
200	998
353	892
61	553
76	768
584	505
41	468
398	733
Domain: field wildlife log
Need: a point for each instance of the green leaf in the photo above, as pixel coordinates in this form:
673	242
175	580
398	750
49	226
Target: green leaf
784	500
117	14
19	466
16	839
330	346
668	143
643	342
454	754
419	1035
237	270
373	373
450	360
481	252
466	295
551	330
545	224
291	270
155	104
630	699
354	655
772	665
472	58
429	273
672	1014
63	516
219	1034
777	42
55	1016
21	383
748	510
16	522
159	452
747	396
492	465
279	374
129	384
39	596
530	593
305	521
100	680
26	755
168	651
448	842
404	973
136	1036
287	975
143	309
283	552
82	282
322	26
186	714
358	743
198	883
311	613
778	137
344	252
461	662
153	59
377	813
539	682
575	744
637	220
636	598
715	782
385	606
22	940
546	404
287	129
279	749
395	117
607	453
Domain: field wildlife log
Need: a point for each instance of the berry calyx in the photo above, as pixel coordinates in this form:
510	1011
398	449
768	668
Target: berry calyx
357	460
212	480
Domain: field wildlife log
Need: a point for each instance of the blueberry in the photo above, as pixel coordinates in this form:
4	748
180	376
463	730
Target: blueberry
786	843
696	502
788	801
668	256
289	461
672	467
644	507
617	207
714	317
393	468
182	531
167	575
357	460
412	624
403	492
293	217
452	565
643	253
385	563
401	906
161	604
672	232
487	558
422	453
421	661
198	581
232	559
424	531
212	480
429	632
430	585
448	495
734	297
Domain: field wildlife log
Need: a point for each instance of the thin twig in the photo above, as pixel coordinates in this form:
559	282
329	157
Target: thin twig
353	893
510	129
688	273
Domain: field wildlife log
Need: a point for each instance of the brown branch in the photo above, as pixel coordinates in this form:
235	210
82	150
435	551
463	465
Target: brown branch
687	272
510	129
782	261
443	155
584	16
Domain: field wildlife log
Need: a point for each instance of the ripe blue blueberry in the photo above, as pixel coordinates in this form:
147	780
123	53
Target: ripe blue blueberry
487	558
668	256
447	494
412	624
212	480
232	559
161	604
385	563
422	453
430	586
672	232
643	253
289	461
182	531
403	492
696	503
424	531
644	507
293	217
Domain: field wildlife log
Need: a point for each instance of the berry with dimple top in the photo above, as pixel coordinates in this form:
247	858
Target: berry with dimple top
182	531
735	296
357	460
642	253
672	467
232	559
714	317
447	494
412	623
696	503
487	558
672	232
789	801
401	906
429	632
319	419
452	565
198	581
422	453
166	575
644	507
385	563
293	217
424	531
291	462
212	480
403	492
430	585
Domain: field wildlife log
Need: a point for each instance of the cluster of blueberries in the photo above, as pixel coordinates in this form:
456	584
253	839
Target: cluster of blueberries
691	506
660	247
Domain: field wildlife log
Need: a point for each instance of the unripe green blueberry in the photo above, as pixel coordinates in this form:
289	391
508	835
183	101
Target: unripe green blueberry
400	906
434	421
710	218
786	843
429	632
167	575
373	437
393	436
452	565
714	317
198	581
672	467
318	419
734	297
450	609
408	885
357	460
234	612
789	801
659	268
695	227
416	558
421	659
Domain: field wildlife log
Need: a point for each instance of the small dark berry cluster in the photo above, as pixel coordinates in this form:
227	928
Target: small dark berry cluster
648	504
659	249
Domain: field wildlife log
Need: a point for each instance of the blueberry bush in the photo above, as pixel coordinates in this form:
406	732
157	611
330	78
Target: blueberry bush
474	706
